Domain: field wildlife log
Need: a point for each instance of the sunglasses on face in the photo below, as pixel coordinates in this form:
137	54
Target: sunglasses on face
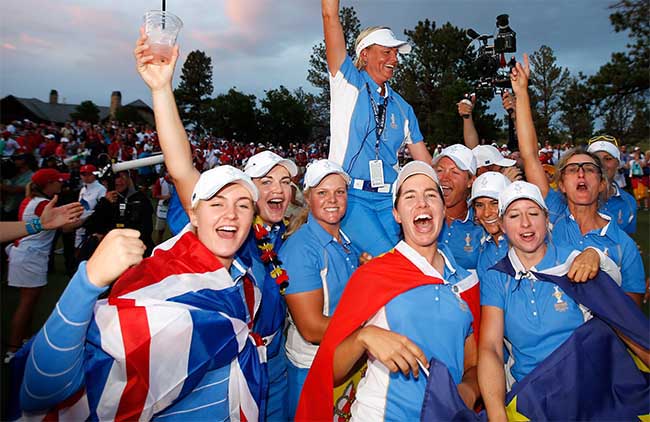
607	138
587	168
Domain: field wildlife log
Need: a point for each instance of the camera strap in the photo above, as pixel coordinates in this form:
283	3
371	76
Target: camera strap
379	112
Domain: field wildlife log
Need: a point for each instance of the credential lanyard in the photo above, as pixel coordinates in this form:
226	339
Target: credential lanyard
379	111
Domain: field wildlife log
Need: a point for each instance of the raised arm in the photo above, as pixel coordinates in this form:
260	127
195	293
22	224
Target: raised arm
171	132
465	108
335	50
526	129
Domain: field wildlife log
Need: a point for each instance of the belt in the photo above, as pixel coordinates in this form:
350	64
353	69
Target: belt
361	184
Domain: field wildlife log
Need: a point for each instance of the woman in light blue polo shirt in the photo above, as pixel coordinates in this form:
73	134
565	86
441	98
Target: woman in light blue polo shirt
369	124
536	317
320	259
574	210
484	200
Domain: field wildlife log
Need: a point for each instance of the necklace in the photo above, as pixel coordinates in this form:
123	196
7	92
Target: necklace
268	255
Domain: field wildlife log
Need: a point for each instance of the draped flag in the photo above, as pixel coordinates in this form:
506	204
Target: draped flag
166	323
370	287
591	376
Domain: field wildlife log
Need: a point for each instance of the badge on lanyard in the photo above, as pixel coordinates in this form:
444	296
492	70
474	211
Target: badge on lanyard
376	173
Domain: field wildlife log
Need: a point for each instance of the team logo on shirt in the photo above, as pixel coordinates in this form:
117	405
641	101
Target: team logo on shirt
393	123
560	305
468	243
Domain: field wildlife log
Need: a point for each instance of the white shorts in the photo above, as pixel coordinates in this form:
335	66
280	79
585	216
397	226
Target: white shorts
27	267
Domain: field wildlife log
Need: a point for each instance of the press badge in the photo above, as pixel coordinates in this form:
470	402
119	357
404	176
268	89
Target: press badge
376	173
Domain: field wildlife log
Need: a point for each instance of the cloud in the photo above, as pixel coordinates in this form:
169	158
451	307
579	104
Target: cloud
8	46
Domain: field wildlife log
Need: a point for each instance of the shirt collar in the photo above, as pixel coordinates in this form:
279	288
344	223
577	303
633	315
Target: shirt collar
421	263
323	237
549	260
237	269
604	231
375	87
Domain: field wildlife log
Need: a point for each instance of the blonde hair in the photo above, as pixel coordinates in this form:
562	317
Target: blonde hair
358	63
299	219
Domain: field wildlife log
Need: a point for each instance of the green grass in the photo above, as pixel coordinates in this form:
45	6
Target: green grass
57	281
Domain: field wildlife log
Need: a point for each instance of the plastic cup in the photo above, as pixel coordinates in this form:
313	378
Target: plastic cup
162	28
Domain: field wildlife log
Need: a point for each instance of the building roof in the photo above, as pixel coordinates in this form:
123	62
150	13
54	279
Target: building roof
60	113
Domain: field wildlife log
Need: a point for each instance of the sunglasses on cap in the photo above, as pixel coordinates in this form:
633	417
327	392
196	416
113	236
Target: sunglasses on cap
607	138
587	167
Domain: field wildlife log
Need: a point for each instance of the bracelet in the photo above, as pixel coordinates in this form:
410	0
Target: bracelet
34	226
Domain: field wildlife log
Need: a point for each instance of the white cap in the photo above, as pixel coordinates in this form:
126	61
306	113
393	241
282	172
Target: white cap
490	184
461	155
49	136
607	147
520	190
487	155
262	163
64	140
319	169
385	38
410	169
213	180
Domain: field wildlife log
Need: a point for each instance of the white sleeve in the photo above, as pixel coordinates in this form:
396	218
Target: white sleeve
608	266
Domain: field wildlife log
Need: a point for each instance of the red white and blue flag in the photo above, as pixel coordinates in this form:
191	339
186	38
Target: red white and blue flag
166	323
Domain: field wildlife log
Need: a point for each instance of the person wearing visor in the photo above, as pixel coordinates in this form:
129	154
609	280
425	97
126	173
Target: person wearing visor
320	258
28	256
272	175
620	206
574	210
488	158
190	295
534	314
388	312
369	123
484	201
456	169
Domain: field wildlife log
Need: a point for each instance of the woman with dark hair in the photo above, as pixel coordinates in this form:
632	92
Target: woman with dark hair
573	210
369	124
390	311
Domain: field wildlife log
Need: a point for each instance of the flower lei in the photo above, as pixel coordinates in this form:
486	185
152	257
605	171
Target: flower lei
269	256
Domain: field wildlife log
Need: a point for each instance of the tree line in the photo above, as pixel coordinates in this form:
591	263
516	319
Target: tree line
433	78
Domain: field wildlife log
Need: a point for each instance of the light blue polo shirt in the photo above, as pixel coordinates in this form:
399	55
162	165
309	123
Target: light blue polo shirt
622	208
311	249
538	315
463	238
490	253
352	124
613	241
434	318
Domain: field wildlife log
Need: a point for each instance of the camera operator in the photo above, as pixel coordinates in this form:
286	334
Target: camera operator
122	207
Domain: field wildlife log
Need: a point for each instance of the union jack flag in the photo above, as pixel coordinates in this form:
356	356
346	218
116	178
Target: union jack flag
166	324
